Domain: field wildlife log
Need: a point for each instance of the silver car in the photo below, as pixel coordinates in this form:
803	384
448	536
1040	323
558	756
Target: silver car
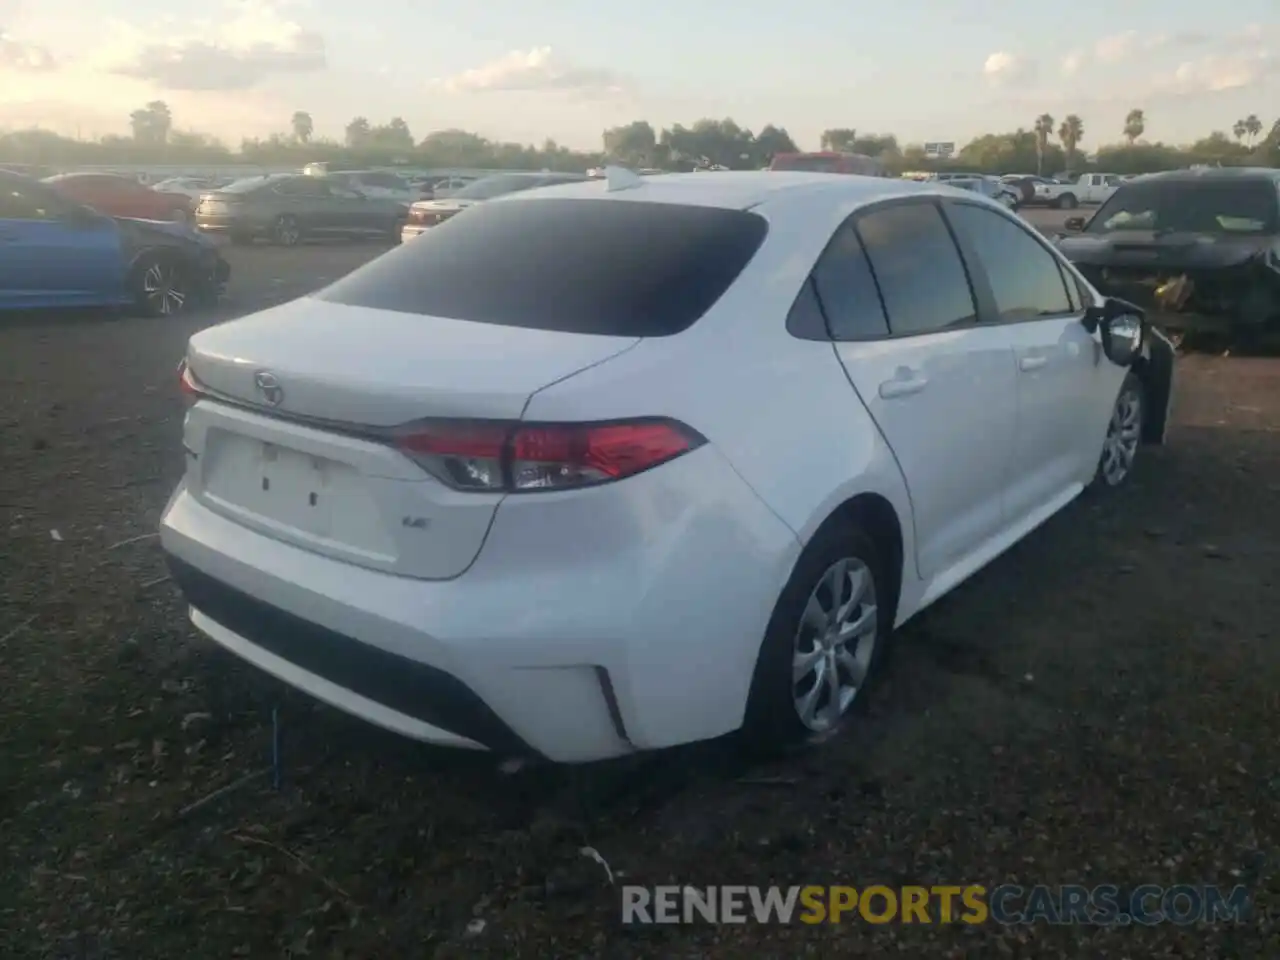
988	187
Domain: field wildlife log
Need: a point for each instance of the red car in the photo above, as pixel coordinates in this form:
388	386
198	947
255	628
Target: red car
829	162
121	197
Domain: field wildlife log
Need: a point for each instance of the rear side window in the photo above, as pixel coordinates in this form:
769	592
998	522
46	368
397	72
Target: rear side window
1025	278
609	267
385	181
918	268
303	187
847	290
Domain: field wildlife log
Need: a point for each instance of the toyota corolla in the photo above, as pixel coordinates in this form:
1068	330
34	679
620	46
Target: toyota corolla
635	462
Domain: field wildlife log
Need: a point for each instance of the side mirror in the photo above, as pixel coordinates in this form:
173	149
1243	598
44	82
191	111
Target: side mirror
1122	326
1074	224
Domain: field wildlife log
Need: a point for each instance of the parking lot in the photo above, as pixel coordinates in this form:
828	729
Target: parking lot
1098	706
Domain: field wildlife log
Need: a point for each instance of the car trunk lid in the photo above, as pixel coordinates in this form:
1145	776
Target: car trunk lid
295	442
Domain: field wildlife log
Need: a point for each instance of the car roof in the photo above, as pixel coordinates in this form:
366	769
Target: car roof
1210	173
742	190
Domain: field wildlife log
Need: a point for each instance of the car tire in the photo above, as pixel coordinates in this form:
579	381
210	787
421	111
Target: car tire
801	632
161	286
1124	436
286	232
1068	201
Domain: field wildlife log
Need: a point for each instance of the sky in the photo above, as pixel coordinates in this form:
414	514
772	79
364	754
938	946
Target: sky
567	69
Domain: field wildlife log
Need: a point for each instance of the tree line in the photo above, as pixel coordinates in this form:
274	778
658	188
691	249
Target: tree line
1046	146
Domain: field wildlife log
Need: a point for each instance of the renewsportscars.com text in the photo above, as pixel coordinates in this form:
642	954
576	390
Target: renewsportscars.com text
1103	905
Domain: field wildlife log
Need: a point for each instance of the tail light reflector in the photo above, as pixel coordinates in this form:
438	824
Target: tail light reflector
501	456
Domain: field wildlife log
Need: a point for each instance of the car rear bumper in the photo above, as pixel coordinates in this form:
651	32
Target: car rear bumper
591	625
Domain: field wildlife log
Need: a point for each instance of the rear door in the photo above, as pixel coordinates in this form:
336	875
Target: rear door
1064	384
45	255
940	387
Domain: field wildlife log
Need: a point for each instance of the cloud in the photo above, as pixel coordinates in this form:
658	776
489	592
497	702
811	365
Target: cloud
1121	46
234	53
1003	68
1072	63
1219	73
535	70
19	56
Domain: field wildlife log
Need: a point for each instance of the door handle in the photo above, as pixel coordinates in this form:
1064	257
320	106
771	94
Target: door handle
903	386
1032	363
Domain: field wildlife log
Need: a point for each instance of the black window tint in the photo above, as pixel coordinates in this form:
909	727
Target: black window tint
806	320
918	268
847	290
1025	277
579	266
303	187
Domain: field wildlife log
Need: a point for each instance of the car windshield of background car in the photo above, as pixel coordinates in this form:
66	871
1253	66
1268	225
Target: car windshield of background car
1248	207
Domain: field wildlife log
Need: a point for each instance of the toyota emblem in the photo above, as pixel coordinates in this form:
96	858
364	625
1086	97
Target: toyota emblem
269	387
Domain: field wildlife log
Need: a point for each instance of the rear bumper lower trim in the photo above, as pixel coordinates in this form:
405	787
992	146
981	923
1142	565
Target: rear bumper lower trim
406	686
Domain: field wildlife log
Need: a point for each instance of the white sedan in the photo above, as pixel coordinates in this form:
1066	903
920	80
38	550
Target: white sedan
635	462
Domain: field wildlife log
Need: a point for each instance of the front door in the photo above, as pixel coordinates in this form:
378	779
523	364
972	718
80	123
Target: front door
1064	382
940	387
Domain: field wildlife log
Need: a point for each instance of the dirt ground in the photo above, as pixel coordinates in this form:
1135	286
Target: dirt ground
1098	706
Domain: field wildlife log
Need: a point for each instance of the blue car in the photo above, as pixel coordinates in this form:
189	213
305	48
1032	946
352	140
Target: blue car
58	253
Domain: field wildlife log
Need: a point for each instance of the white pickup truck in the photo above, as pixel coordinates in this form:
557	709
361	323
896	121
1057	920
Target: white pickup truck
1090	188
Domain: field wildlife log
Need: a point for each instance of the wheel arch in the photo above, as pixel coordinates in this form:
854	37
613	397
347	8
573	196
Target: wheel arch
875	516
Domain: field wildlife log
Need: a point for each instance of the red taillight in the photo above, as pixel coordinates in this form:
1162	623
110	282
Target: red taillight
190	386
518	457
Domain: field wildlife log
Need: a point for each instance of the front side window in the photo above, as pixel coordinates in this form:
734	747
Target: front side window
918	268
1025	277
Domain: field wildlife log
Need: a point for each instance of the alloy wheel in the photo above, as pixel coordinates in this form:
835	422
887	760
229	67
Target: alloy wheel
834	644
163	290
1124	432
287	232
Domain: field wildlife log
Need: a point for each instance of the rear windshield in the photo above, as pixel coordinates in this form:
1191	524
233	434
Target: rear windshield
610	267
1221	206
248	184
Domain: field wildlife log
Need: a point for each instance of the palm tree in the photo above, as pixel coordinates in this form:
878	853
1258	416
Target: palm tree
302	126
1252	127
1071	133
1240	129
1043	131
1135	124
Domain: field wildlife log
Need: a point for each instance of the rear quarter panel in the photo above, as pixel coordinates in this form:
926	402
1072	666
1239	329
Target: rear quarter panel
780	409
